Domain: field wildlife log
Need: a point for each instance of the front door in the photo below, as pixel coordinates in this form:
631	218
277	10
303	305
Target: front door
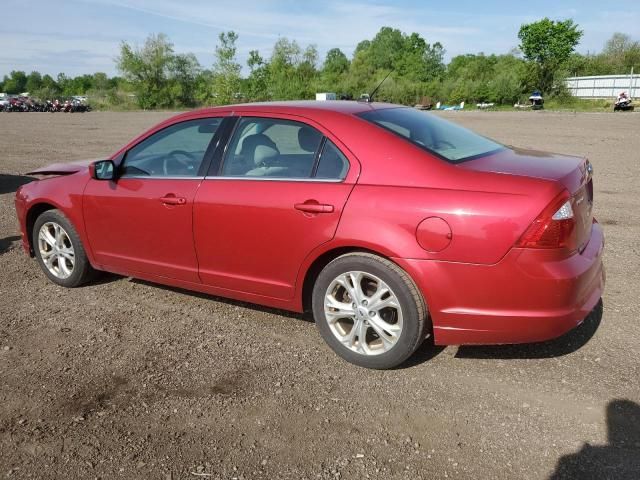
143	221
278	194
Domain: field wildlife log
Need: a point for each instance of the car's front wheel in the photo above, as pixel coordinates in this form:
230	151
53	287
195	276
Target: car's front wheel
369	310
59	250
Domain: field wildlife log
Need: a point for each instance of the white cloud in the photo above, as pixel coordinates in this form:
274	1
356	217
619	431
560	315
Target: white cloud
331	24
33	51
88	38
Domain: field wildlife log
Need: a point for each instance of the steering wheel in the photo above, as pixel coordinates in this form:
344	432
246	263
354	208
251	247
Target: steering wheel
180	159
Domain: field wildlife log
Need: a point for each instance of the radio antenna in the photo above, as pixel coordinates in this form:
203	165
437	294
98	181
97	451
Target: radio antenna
370	99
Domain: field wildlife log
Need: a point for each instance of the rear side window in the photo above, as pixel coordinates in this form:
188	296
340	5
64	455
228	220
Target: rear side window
272	148
332	164
290	140
436	135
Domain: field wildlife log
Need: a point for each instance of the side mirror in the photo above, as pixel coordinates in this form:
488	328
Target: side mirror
103	170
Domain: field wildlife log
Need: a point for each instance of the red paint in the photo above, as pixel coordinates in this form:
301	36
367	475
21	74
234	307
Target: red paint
434	234
453	228
250	236
131	226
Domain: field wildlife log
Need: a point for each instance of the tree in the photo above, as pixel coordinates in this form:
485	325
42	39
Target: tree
283	82
149	70
48	82
412	61
307	72
101	81
622	52
418	61
226	70
336	62
184	75
548	44
16	82
256	84
334	71
34	82
255	60
373	59
48	90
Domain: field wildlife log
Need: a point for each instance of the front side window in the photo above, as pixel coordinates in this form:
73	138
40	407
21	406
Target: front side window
447	140
176	151
268	147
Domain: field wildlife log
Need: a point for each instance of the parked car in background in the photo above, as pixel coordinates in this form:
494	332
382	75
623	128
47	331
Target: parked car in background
389	224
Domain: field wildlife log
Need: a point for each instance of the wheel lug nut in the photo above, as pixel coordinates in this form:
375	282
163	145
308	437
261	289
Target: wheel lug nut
364	302
354	305
372	313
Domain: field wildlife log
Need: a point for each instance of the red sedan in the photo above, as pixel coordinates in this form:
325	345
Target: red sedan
389	224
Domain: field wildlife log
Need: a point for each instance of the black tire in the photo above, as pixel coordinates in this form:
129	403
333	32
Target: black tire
414	310
82	271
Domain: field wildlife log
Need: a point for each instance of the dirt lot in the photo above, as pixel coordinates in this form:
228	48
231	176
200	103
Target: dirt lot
124	379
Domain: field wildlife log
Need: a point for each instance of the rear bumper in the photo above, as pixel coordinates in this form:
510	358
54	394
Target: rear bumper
529	296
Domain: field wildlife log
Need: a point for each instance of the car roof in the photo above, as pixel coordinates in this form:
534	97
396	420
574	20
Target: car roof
302	107
311	109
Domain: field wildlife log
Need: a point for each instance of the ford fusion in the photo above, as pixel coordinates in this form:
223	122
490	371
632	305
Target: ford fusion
389	224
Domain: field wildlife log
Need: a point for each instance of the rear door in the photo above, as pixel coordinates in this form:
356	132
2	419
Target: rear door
276	193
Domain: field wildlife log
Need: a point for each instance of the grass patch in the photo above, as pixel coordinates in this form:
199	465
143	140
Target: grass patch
570	104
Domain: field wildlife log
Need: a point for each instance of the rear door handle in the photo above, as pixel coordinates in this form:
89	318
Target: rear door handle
313	207
171	199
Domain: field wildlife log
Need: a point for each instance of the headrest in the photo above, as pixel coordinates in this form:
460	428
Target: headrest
250	143
309	139
264	154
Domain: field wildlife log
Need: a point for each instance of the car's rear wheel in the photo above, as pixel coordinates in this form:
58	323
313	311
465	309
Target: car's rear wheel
369	310
59	250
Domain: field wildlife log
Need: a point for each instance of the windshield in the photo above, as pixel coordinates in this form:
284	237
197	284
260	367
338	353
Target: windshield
447	140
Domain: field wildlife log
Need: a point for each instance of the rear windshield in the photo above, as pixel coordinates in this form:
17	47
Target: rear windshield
447	140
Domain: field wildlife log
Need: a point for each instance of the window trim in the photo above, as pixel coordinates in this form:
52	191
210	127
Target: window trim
319	160
160	177
318	157
212	146
278	179
217	158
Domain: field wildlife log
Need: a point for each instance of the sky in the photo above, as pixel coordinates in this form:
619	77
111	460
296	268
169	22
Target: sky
83	36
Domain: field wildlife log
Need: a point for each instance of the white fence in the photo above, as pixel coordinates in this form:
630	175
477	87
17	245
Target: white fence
604	86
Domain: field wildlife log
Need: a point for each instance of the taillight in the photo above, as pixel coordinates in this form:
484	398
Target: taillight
555	227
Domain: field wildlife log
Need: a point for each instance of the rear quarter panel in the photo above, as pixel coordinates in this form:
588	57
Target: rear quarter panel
484	225
400	185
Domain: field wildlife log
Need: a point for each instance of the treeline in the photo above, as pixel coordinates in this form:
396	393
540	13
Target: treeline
104	91
619	55
155	76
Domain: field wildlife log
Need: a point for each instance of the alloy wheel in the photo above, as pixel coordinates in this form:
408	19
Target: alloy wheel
363	313
56	250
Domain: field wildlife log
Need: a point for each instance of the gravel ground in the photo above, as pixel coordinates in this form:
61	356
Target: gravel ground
125	379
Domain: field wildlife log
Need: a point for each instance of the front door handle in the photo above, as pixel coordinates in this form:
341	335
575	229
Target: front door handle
171	199
311	206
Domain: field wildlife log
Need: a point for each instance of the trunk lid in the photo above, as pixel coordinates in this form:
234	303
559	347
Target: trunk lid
574	173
